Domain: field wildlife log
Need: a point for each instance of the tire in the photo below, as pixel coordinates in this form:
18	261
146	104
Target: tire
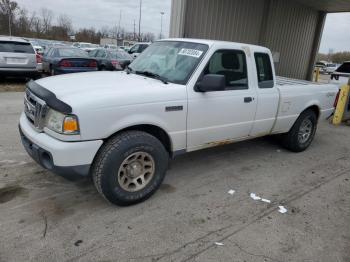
103	68
302	133
122	159
52	71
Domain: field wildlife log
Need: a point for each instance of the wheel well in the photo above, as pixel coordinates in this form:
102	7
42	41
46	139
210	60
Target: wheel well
154	131
314	108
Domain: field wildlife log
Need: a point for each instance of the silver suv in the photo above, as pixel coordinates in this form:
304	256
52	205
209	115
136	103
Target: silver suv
17	58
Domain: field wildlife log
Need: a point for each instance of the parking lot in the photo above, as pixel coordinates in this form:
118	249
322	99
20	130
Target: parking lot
47	218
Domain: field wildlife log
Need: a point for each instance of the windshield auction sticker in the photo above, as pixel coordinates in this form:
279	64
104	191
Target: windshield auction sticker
190	52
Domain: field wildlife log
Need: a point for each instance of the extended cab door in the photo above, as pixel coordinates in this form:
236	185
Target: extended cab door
267	94
221	116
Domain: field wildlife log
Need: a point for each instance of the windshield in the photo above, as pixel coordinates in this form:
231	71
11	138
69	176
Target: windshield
172	60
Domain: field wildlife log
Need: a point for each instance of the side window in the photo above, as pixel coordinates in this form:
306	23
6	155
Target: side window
231	64
264	70
134	49
51	51
142	48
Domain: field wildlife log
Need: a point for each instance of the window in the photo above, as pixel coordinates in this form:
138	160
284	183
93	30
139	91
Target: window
16	47
71	52
231	64
173	60
101	53
264	70
93	53
134	49
142	48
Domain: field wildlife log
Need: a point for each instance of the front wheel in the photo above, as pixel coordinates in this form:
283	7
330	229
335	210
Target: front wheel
130	167
302	133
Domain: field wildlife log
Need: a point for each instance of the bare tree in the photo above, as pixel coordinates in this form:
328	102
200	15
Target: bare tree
8	8
46	19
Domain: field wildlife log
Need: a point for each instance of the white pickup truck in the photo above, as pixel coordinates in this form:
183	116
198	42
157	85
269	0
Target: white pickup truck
178	96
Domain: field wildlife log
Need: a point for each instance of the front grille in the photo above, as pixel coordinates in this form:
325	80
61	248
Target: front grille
35	110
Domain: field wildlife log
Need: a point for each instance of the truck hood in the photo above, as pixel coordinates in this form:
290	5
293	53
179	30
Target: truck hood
105	89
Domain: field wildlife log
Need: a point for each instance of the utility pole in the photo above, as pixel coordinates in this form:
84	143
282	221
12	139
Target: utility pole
134	29
9	13
140	20
120	18
161	25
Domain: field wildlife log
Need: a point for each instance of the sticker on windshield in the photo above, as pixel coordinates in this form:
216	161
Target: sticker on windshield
190	52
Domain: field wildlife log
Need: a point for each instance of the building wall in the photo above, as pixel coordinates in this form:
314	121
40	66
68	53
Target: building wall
289	29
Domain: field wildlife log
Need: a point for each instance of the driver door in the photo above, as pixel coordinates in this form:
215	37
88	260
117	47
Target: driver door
220	117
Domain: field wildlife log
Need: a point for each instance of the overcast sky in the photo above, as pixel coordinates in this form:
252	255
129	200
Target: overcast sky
98	13
336	34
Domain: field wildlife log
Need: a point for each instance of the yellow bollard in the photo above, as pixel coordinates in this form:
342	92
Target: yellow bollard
317	75
343	99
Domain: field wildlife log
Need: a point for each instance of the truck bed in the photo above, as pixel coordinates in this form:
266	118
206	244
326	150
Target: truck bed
281	81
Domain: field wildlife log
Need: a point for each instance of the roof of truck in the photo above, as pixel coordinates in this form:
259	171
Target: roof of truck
215	42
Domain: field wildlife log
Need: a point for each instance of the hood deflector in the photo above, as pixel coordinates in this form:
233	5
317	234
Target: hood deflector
50	98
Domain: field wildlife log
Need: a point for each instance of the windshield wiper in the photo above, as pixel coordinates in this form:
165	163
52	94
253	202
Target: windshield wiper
129	69
153	75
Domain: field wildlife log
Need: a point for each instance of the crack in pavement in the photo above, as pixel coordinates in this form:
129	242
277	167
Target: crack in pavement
294	196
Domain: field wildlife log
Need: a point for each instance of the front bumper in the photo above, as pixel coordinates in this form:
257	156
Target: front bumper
68	159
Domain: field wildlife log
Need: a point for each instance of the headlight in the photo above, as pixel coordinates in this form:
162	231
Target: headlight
61	123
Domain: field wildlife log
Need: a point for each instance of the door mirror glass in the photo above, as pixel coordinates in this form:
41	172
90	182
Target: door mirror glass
210	83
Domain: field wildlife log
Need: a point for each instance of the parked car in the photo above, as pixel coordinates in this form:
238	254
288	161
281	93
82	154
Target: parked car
114	47
329	68
111	60
343	70
178	96
138	48
85	46
18	58
63	60
125	48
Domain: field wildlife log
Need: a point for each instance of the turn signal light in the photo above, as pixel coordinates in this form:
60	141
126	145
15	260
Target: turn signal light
70	125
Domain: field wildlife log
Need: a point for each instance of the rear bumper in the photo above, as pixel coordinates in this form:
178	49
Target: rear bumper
69	159
59	71
24	72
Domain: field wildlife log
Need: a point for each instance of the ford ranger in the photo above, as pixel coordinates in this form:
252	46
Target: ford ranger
179	95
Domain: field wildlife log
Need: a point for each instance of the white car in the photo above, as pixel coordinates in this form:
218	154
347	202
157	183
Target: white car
85	46
329	68
178	96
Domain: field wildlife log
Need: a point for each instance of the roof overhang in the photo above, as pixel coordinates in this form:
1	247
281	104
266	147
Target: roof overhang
329	6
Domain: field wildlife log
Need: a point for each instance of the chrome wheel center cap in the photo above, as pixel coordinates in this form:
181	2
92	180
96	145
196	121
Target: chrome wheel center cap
134	169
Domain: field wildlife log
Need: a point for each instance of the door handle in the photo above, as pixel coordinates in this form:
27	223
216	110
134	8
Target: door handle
248	99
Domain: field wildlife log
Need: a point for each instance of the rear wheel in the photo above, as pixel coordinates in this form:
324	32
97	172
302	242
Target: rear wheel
302	133
52	71
130	167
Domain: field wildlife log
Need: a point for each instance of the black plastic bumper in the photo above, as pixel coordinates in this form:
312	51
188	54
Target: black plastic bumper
44	158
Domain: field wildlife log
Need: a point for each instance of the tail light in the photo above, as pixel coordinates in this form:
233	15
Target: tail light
92	64
39	59
336	100
65	63
116	64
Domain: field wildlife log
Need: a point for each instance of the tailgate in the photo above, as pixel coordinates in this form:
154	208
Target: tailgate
17	55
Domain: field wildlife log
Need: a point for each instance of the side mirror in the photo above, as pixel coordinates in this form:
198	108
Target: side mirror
211	82
130	52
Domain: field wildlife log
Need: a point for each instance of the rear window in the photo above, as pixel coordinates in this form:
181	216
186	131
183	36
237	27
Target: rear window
16	47
67	52
121	55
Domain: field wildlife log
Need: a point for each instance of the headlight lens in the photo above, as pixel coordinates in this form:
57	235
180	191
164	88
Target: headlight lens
61	123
